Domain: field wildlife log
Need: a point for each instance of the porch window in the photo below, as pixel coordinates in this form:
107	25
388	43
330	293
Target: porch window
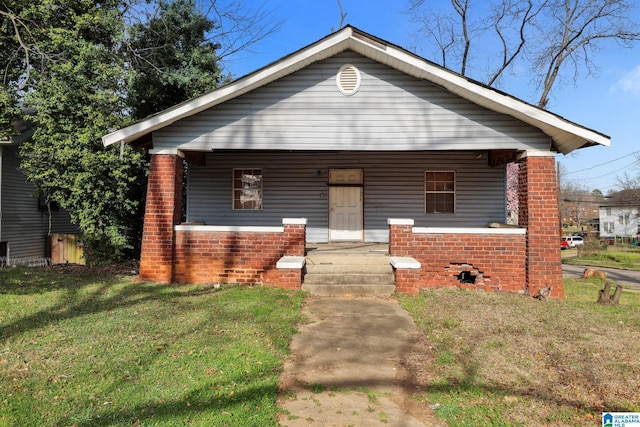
440	191
247	189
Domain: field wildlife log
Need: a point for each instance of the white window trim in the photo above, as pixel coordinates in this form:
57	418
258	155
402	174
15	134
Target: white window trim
454	192
233	189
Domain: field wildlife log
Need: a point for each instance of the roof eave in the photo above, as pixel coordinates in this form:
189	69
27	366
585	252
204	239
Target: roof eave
565	135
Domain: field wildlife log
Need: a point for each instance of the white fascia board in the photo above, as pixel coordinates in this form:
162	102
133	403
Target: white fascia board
279	69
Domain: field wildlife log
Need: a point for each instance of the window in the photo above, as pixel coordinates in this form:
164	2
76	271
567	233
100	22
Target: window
440	191
608	211
623	219
608	227
247	189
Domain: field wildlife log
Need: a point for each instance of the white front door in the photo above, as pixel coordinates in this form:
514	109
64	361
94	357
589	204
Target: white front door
345	205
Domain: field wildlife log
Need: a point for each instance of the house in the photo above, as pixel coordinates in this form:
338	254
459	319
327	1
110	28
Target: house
354	139
620	218
24	219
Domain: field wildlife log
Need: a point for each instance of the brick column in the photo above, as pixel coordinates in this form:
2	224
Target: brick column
538	212
163	210
400	237
295	236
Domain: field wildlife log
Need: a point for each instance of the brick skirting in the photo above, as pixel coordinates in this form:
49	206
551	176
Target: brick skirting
245	257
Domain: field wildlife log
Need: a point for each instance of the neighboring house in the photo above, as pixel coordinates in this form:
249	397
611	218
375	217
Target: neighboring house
619	219
354	139
24	220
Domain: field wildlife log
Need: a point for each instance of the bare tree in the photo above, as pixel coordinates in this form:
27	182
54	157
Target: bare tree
547	36
509	18
628	182
450	31
239	26
343	15
577	202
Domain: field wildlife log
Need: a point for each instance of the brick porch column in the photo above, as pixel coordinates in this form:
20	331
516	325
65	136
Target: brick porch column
163	210
400	236
538	212
295	236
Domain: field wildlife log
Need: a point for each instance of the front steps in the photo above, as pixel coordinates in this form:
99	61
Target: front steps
341	274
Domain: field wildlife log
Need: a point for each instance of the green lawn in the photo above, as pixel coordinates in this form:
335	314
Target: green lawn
95	349
611	256
508	360
87	349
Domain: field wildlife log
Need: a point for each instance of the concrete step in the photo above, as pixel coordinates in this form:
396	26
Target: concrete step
348	259
352	278
327	268
349	289
348	274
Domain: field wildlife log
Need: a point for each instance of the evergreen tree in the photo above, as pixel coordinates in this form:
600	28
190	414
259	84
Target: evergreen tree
171	59
83	68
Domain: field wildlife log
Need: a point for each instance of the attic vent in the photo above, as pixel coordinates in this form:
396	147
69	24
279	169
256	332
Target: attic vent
348	79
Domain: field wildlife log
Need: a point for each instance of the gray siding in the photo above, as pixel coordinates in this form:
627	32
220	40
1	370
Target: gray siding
295	185
23	225
391	111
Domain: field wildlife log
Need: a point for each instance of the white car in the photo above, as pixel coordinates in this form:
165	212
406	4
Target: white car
571	242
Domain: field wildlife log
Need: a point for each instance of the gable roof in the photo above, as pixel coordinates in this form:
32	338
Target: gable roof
566	135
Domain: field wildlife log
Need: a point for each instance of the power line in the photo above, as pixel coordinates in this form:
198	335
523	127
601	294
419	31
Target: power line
606	163
616	171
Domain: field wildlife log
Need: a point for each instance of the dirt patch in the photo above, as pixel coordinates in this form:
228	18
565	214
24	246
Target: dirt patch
352	364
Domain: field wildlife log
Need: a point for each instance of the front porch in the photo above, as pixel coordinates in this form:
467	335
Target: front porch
492	259
524	259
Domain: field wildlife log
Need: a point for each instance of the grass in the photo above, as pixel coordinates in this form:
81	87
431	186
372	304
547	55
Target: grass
611	256
88	349
501	359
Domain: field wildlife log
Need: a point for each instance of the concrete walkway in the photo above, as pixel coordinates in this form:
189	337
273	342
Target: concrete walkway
346	366
630	279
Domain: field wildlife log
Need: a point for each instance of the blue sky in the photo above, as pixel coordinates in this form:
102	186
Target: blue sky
608	102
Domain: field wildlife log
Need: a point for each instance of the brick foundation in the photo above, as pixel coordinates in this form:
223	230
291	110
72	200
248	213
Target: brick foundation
492	260
244	257
407	281
228	257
